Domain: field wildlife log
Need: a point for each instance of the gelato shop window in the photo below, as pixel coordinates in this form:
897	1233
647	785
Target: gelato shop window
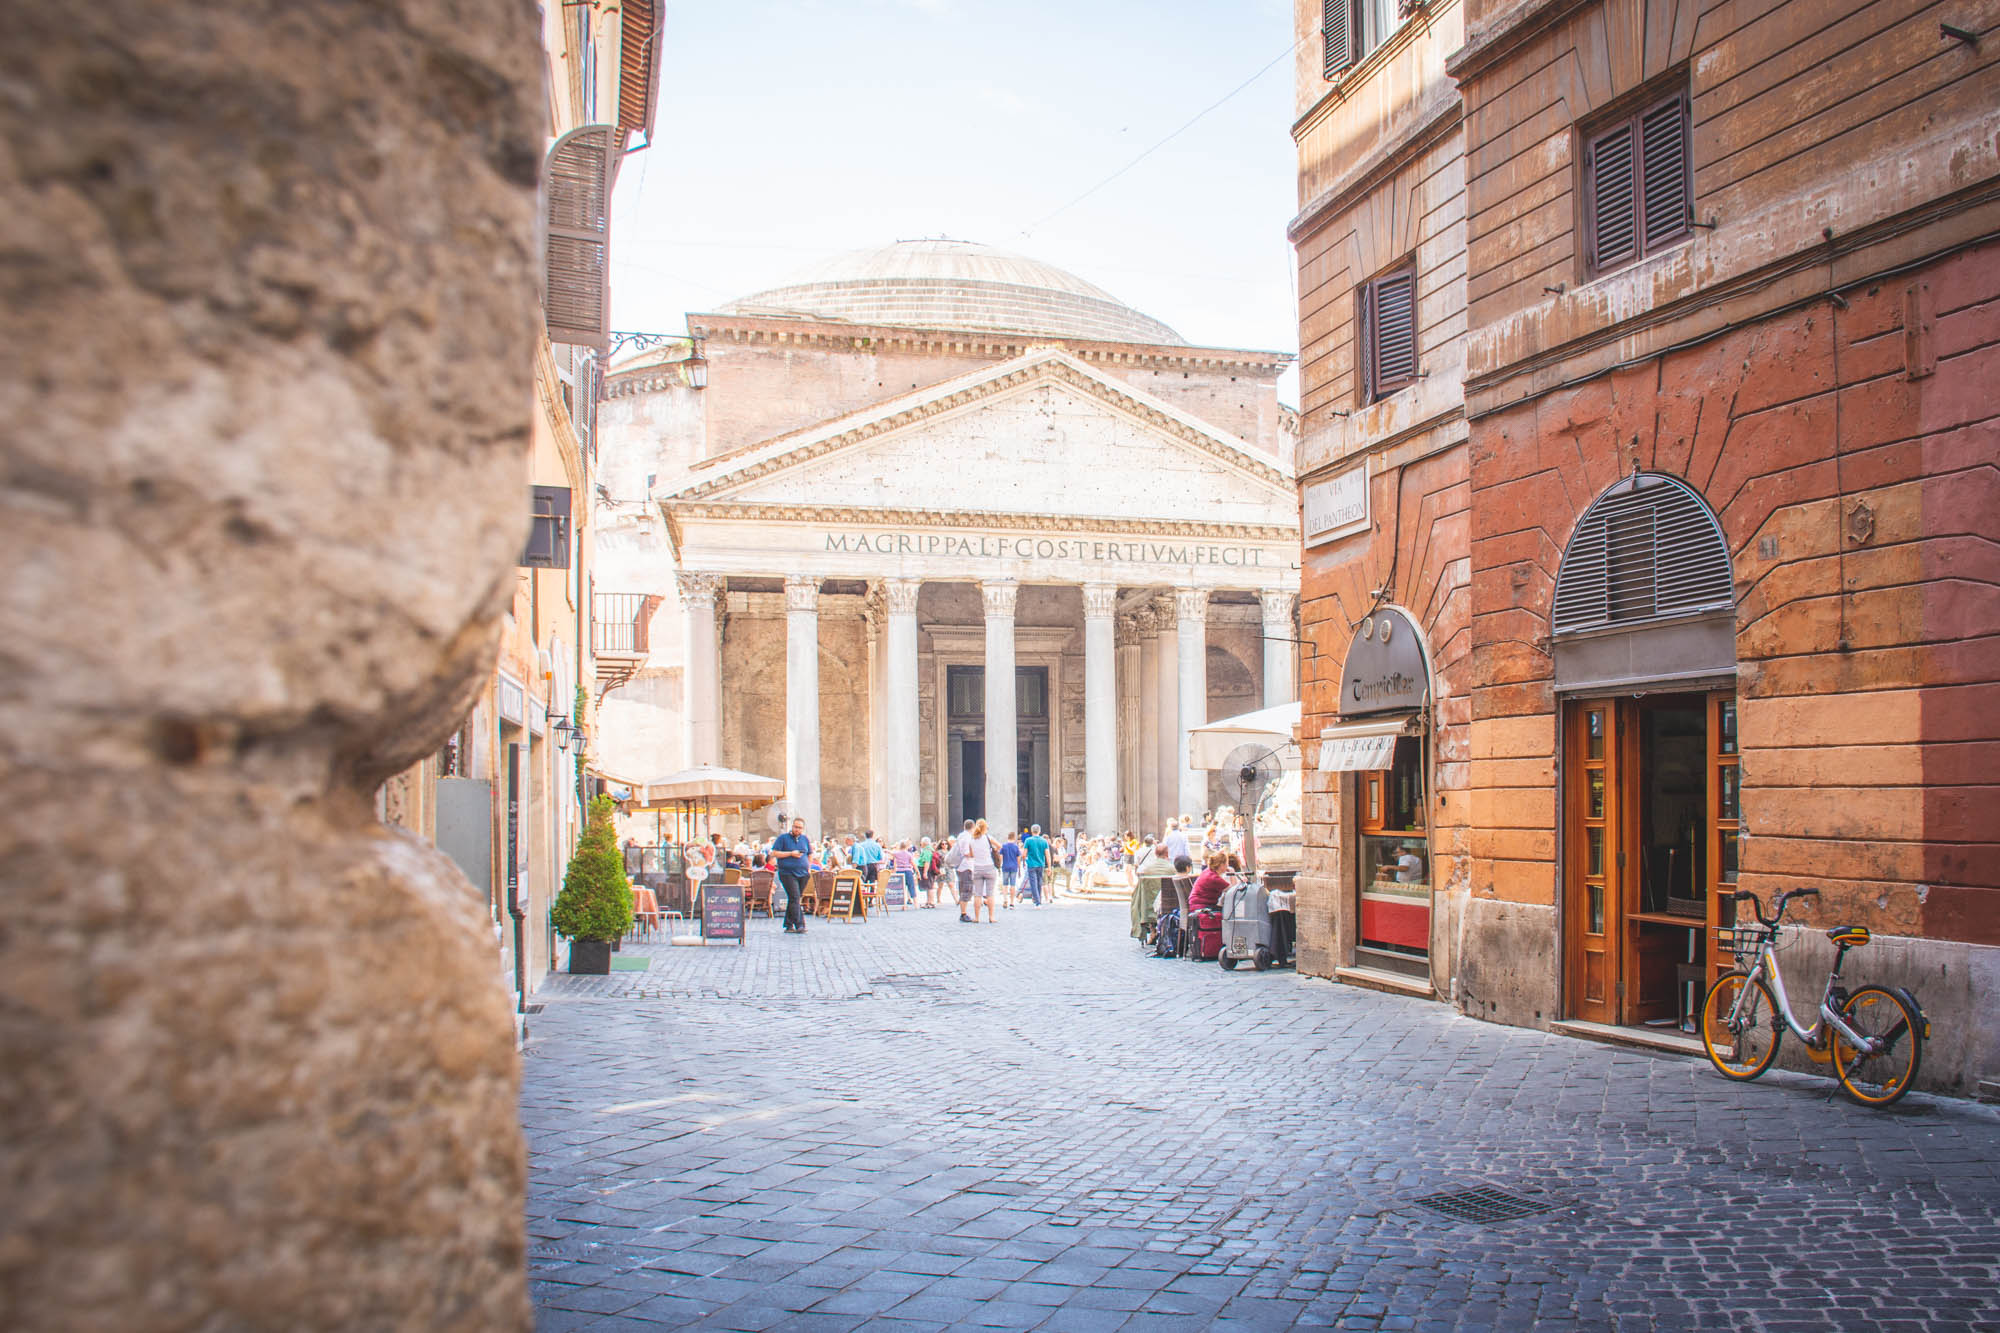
1395	857
1382	739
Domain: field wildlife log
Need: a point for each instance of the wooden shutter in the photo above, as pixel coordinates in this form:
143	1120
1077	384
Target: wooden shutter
577	183
1638	181
1337	31
584	396
639	39
1611	222
1388	334
548	535
1667	190
1648	549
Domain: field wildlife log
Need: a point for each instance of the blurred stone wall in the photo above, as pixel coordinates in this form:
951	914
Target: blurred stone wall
269	287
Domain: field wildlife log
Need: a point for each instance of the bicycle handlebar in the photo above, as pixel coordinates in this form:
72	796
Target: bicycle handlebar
1778	909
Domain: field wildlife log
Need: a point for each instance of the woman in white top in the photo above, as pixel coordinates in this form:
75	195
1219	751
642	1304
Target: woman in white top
984	857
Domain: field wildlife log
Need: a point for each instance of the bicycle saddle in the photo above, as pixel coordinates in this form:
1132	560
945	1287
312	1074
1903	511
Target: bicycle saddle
1851	936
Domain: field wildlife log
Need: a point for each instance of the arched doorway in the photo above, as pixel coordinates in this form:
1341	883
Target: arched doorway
1645	655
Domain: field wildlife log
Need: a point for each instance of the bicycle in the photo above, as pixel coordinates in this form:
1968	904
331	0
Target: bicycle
1874	1036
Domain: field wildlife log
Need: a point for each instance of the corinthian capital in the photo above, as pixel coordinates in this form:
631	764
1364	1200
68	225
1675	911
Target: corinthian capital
802	592
1000	597
902	595
1099	600
1191	604
698	590
1278	606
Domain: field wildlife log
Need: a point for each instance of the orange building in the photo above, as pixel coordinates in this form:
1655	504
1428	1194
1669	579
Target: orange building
1729	508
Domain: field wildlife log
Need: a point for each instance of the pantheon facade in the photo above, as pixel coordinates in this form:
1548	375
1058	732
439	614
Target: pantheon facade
940	532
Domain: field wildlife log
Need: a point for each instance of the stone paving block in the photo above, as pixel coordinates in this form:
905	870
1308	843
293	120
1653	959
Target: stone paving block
1009	1141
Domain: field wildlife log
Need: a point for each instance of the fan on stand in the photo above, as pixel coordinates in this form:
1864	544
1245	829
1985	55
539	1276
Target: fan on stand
778	815
1248	771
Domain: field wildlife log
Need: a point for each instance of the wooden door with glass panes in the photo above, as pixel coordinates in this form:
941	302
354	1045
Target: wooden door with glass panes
1594	898
1725	817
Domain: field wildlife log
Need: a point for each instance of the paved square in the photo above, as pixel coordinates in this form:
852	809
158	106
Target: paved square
918	1124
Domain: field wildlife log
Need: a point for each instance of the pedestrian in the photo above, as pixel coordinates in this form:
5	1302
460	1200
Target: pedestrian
1010	868
979	876
927	871
903	866
961	866
868	857
1177	842
1035	858
793	853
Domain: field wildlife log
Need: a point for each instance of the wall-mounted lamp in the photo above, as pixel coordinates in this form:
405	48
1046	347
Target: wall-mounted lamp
562	729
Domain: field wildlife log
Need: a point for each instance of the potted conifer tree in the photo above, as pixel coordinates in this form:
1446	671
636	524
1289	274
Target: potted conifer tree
594	908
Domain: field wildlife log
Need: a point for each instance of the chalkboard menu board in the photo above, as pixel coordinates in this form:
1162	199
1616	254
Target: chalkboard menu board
893	892
843	900
722	912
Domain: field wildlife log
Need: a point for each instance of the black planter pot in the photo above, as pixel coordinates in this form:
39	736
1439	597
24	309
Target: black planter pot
590	957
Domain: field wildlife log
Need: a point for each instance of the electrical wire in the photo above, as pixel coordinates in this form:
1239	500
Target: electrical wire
1032	228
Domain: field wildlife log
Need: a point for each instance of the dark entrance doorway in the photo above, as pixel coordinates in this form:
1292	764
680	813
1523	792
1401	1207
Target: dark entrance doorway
969	747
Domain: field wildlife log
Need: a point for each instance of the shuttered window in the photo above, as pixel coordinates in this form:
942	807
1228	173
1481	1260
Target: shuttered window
577	182
1638	185
1648	549
548	535
1388	344
1336	31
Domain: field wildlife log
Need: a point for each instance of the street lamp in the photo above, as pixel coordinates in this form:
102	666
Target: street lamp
563	729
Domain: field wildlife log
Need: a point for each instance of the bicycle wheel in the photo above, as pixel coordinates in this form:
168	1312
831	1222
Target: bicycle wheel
1881	1078
1740	1050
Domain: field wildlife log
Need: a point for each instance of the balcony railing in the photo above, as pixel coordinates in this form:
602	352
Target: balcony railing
619	621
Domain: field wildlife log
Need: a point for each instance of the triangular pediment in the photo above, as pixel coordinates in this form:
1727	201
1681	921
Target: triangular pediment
1041	434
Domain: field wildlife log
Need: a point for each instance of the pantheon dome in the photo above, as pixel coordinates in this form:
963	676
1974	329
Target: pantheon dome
944	284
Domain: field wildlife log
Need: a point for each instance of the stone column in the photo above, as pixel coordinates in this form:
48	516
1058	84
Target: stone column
1100	708
802	698
1002	732
878	781
1166	711
1191	609
193	739
1281	655
900	706
701	720
1146	803
1129	728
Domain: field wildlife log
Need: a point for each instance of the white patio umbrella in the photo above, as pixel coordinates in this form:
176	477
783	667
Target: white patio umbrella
1209	745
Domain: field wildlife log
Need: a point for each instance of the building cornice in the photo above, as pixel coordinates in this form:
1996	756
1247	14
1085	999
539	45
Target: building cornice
1338	90
1379	166
681	511
837	335
1042	369
1506	33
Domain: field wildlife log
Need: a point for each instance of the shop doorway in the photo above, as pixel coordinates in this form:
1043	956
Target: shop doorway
1650	838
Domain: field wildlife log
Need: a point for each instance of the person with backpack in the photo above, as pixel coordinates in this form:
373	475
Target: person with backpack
1035	862
1010	868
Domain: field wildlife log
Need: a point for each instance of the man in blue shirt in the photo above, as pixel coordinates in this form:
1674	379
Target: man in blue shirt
868	856
793	853
1036	852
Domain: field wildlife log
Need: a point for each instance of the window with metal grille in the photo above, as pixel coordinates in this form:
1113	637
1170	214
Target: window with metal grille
1388	341
576	182
1638	184
1647	549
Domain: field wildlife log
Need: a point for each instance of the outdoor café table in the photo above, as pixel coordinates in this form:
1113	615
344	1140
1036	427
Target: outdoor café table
645	907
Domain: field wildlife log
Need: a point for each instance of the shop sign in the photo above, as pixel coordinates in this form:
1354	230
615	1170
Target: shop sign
1358	749
1385	670
513	701
1335	507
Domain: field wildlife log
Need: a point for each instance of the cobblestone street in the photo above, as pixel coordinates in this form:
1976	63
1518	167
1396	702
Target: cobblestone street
914	1123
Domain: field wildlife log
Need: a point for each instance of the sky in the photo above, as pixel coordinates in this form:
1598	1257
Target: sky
792	130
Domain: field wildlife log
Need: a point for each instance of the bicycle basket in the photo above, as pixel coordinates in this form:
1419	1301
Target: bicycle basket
1741	941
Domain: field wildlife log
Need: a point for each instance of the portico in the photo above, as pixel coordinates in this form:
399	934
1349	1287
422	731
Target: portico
1007	592
988	641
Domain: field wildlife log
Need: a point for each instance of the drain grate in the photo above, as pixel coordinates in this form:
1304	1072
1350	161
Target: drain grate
1483	1203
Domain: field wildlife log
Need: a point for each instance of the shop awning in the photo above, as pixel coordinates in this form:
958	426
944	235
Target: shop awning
1210	744
1354	747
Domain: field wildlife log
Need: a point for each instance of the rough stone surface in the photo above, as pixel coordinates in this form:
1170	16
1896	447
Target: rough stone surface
269	281
912	1123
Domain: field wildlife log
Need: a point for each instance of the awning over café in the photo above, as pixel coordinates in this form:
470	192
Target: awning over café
1354	747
